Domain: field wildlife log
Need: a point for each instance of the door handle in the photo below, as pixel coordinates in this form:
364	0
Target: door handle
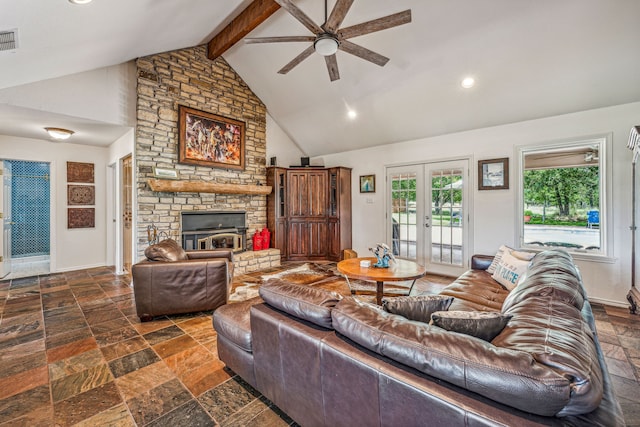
427	224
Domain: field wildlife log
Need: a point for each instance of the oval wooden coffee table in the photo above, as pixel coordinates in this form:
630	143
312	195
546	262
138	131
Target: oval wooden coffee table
398	270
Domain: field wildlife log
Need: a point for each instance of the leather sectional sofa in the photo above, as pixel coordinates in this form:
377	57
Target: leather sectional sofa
328	360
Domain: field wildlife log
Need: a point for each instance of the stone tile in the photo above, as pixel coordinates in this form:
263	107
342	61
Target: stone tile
99	316
198	369
631	411
63	320
80	382
112	337
163	334
75	364
613	351
59	299
228	398
259	414
25	403
133	362
21	350
71	349
110	324
122	348
146	327
23	381
158	401
68	337
174	345
14	365
118	416
144	379
625	388
18	306
86	405
191	414
620	368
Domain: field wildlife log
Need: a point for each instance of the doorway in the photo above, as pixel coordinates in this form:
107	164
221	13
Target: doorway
127	213
26	213
428	216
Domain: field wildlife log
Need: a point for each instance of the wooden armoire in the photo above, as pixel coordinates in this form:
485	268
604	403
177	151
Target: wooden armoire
309	212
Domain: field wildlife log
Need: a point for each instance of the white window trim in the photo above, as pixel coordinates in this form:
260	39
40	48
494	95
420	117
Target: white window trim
606	180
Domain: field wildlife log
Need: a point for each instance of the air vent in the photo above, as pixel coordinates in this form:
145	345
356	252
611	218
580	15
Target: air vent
8	40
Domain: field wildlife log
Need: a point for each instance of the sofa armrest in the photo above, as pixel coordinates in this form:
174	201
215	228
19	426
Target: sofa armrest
211	253
481	262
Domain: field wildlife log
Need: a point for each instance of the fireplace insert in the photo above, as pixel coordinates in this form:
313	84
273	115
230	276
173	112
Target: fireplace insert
211	230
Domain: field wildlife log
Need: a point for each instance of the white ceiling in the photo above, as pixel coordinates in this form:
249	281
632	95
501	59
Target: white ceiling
531	59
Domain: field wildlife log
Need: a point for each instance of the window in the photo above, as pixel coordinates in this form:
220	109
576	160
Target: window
562	199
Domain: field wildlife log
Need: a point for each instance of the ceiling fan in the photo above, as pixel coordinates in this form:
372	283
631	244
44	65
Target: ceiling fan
328	38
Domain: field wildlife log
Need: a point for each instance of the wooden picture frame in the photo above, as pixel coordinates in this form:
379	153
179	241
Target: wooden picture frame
206	139
367	183
493	174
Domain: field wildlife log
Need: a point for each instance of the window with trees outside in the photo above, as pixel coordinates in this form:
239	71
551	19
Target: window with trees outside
562	196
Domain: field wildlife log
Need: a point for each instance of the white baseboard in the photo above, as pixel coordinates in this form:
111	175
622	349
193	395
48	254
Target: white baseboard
623	304
80	267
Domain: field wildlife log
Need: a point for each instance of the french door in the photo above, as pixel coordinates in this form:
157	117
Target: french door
427	216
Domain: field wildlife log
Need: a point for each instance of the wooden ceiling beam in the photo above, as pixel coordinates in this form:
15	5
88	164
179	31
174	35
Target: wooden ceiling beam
255	14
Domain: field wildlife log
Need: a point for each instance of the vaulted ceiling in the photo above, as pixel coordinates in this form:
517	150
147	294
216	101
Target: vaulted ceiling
529	60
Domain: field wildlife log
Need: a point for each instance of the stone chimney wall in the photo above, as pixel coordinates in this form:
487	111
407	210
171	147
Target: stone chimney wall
187	77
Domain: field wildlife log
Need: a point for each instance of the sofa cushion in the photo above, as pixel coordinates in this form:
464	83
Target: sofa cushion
524	255
511	377
418	307
509	269
167	250
476	290
485	325
233	322
305	302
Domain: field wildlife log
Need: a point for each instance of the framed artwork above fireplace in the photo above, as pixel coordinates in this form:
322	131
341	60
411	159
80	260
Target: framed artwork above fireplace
206	139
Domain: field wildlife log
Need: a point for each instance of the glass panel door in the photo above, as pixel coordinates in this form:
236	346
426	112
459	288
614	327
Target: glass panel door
447	214
403	184
427	215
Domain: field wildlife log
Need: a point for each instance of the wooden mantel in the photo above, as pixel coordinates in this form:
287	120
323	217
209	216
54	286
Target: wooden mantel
177	186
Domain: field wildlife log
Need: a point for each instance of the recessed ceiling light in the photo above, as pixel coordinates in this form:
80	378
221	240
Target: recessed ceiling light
59	134
352	114
468	82
80	1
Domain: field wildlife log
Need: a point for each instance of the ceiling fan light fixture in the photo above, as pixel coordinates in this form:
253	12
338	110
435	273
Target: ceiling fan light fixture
326	45
59	134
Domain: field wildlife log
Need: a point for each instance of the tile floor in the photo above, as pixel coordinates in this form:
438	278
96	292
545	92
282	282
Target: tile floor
72	352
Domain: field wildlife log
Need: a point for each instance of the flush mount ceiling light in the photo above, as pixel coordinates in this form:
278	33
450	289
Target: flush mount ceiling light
326	45
59	134
468	82
80	1
352	114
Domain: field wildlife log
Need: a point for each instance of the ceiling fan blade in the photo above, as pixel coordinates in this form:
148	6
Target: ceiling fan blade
253	40
300	16
332	67
363	52
379	24
337	15
298	59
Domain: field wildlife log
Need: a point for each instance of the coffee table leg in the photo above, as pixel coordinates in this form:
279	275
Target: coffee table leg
379	289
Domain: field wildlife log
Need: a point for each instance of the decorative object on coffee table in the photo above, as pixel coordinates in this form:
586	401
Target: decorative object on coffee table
383	254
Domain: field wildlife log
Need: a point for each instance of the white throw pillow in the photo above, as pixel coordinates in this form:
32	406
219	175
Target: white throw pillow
497	258
509	270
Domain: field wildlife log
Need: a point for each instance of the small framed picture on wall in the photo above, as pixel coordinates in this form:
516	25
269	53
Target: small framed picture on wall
367	183
493	174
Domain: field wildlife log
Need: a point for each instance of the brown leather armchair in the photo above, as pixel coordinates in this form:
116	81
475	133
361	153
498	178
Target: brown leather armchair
183	283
